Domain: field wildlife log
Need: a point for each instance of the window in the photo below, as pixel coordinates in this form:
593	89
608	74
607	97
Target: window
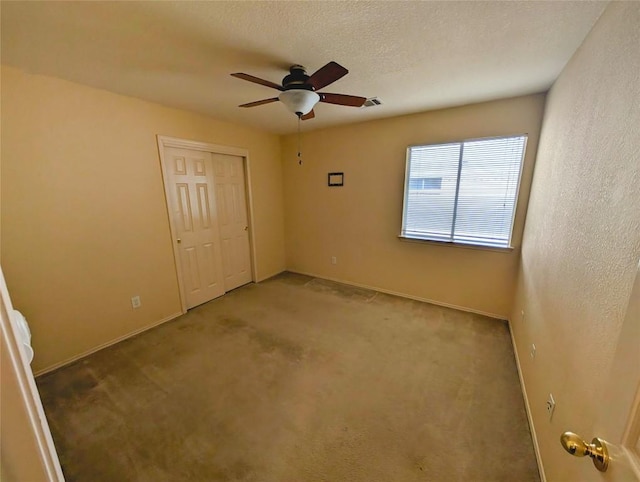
424	183
463	192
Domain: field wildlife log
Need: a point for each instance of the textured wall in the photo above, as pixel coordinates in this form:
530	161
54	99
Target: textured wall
582	239
84	219
360	222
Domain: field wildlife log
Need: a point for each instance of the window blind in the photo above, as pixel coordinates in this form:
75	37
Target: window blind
472	192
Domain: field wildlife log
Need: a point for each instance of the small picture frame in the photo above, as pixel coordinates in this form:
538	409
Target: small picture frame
335	179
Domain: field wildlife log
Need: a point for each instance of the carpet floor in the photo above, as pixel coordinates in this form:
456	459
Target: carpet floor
297	379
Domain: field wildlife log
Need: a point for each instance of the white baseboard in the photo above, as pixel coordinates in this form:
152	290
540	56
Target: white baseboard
532	428
105	345
403	295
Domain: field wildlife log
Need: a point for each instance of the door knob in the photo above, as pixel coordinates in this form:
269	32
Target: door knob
597	449
246	228
179	240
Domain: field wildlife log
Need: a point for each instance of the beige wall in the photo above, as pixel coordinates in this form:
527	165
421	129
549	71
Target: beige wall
359	223
84	220
582	240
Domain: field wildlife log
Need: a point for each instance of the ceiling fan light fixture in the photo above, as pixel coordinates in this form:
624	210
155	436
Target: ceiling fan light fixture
299	101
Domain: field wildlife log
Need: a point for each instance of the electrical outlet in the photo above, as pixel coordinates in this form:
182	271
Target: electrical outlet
135	302
334	260
551	406
533	350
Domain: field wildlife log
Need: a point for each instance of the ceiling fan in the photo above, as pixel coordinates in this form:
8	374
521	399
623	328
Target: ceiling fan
298	90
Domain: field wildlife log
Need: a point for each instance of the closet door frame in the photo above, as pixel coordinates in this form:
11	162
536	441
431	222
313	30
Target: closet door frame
167	141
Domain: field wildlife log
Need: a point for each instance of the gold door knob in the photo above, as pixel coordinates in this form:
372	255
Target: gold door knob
179	240
597	449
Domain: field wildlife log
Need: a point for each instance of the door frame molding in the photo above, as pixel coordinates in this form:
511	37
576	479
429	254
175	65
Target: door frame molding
167	141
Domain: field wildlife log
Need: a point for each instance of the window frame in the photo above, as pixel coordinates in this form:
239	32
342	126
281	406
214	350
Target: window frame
420	239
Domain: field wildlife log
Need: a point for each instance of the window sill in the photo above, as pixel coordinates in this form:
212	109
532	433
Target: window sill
456	245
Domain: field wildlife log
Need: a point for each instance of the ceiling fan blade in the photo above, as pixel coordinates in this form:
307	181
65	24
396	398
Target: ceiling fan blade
260	102
342	99
327	75
257	80
310	115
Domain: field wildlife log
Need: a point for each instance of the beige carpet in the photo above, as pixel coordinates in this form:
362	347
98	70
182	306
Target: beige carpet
297	379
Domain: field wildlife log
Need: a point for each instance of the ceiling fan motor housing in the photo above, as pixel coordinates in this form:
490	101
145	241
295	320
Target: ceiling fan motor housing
297	78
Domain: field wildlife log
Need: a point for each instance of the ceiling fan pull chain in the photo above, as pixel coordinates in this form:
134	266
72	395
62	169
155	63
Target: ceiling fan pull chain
299	158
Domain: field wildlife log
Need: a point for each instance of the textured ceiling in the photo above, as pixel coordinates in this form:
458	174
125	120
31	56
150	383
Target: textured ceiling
414	56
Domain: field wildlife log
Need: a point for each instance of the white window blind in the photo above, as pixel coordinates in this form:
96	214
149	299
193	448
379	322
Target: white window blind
474	200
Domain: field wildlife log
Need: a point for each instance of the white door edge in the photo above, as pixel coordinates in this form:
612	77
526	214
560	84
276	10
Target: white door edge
28	390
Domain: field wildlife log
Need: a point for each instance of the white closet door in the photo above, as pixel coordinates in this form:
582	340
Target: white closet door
232	218
192	202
